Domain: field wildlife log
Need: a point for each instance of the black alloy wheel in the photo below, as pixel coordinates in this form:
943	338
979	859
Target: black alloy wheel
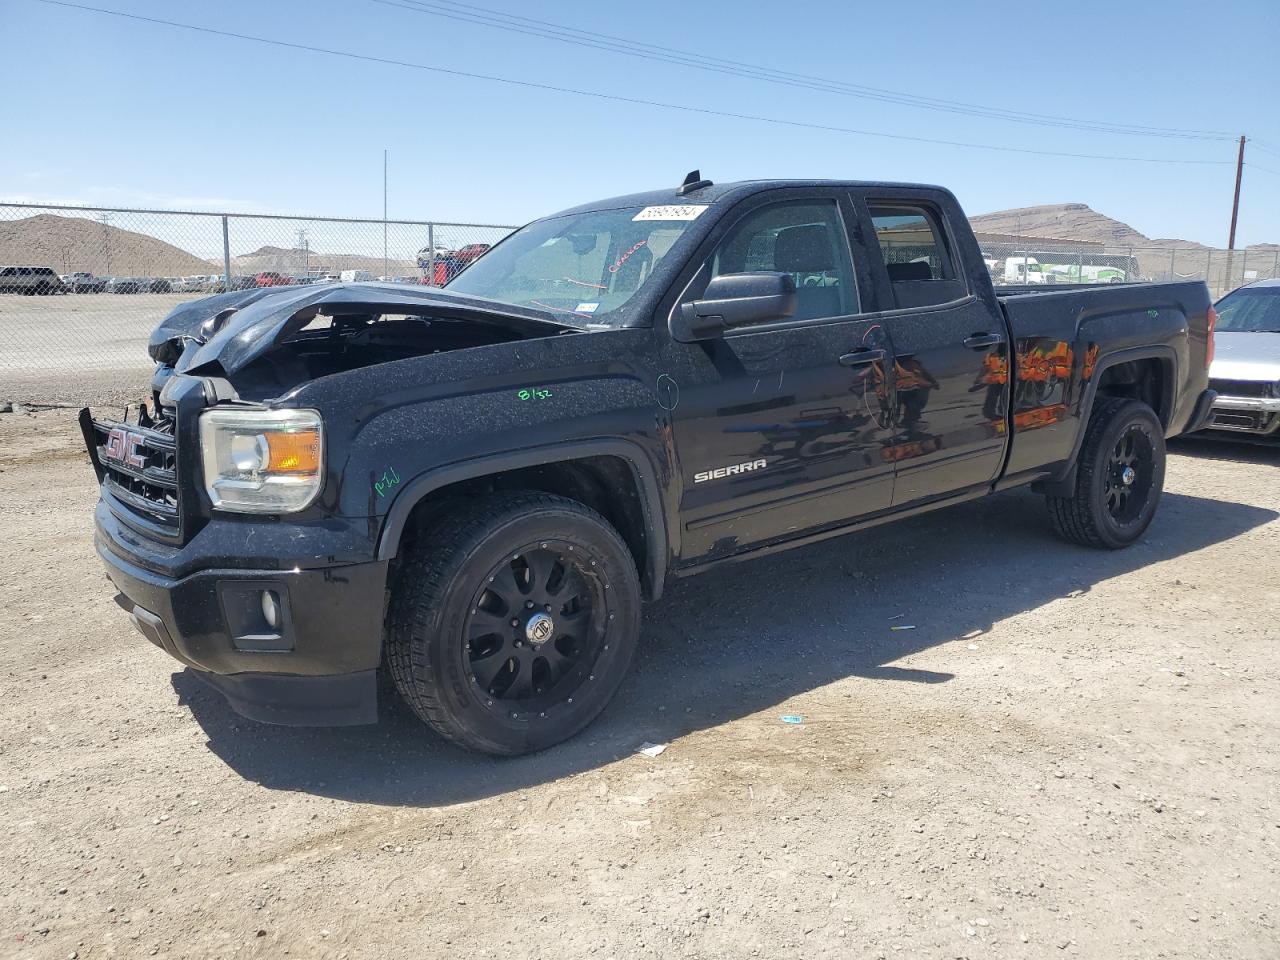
1119	476
538	623
1130	468
513	619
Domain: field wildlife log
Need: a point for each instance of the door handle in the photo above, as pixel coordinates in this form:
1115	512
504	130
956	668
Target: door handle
861	357
980	341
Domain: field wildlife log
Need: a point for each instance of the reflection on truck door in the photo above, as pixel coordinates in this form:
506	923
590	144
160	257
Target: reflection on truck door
776	432
949	434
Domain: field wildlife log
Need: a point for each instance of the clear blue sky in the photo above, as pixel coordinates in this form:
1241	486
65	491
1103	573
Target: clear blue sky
113	111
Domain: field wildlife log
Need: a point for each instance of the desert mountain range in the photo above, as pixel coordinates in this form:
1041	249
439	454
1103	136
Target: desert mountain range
70	244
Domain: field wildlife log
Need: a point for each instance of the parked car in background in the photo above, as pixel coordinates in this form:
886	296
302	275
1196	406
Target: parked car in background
1246	364
270	278
124	285
447	267
32	281
84	282
156	285
217	283
355	276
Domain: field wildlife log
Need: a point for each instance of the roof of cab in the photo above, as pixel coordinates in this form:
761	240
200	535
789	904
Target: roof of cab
728	192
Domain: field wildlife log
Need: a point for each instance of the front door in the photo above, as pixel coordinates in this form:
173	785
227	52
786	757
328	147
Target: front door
780	429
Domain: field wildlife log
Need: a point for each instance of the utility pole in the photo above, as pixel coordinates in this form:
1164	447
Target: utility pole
1235	203
384	210
305	247
1235	213
105	220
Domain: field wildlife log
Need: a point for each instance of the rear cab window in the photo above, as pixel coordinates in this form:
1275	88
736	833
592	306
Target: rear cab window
918	260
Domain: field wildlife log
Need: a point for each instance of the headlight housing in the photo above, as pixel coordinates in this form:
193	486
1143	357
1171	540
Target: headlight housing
262	461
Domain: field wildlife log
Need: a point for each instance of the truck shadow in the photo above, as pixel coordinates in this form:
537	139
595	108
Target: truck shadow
740	640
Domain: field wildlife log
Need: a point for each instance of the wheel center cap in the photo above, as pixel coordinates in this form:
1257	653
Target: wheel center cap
539	628
1127	476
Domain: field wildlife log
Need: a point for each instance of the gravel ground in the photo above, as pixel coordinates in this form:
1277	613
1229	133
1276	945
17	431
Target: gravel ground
80	348
1072	753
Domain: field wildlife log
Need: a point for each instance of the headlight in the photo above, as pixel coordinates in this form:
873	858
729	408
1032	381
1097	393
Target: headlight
261	461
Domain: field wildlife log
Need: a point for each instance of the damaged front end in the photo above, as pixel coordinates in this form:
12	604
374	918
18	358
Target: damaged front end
251	350
283	618
291	336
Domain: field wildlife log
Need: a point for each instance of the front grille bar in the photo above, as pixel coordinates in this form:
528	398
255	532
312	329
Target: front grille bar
150	491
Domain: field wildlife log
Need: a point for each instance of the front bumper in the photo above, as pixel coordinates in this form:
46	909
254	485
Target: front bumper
1256	416
315	666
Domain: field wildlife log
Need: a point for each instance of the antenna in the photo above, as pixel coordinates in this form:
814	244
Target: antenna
693	181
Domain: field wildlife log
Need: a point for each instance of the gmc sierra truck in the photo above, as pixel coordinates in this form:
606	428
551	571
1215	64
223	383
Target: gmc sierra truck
474	488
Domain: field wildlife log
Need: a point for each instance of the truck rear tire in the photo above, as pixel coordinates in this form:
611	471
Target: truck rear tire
512	621
1119	477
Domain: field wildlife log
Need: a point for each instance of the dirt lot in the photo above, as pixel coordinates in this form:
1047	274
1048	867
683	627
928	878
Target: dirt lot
80	348
1072	753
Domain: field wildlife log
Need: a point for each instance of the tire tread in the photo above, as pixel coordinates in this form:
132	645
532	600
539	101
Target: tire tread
421	586
1075	517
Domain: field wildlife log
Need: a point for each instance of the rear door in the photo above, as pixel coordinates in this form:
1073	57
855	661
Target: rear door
951	350
780	428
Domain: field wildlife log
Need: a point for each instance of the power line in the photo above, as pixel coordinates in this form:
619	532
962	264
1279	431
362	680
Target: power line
1250	165
647	51
617	98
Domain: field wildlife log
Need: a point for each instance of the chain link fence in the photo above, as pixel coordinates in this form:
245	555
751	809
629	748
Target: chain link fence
81	288
1032	262
108	276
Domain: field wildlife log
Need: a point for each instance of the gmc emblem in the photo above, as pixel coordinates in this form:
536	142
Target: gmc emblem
122	447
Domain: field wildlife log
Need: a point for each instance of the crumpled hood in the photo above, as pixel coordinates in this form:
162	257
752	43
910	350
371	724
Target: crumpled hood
254	320
1245	356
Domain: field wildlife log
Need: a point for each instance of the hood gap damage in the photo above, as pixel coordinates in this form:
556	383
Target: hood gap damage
276	339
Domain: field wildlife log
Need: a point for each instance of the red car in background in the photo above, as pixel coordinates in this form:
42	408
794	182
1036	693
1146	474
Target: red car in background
453	263
269	278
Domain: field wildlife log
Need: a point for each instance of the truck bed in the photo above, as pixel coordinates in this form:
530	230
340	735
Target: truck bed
1068	338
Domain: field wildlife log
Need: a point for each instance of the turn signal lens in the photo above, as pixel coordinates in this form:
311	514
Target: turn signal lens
293	452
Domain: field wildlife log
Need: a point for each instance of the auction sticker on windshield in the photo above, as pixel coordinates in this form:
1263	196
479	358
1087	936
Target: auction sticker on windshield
688	211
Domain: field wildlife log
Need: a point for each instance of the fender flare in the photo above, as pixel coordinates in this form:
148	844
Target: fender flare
1166	354
655	567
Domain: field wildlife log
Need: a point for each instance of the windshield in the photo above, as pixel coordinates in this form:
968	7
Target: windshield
585	265
1250	311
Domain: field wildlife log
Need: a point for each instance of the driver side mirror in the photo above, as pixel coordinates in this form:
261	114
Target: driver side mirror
735	300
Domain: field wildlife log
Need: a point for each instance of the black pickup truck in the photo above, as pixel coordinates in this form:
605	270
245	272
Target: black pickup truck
474	488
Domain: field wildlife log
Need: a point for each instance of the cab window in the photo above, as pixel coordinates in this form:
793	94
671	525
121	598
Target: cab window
916	256
804	239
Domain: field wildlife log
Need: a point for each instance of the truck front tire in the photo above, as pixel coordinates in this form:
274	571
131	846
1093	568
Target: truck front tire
1119	477
512	621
